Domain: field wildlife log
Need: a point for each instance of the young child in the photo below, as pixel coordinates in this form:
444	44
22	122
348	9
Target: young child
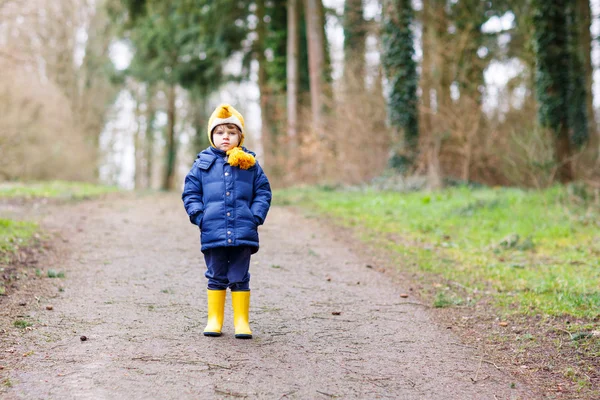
227	195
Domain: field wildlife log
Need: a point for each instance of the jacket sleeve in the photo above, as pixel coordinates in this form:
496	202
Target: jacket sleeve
262	195
192	194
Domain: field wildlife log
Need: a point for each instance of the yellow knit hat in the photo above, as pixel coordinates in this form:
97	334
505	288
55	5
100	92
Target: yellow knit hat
225	114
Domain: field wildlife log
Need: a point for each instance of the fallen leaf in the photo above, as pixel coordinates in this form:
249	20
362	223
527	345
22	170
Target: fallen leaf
403	295
503	323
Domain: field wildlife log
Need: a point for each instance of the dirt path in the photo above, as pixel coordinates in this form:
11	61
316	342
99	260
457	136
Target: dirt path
134	286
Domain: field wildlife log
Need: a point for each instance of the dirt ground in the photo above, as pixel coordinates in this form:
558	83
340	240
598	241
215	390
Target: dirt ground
326	324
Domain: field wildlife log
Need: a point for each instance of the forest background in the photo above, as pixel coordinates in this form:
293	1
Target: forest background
494	92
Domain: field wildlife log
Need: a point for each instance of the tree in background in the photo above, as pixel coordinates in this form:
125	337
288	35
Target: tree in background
297	69
355	33
428	83
184	43
556	89
577	100
63	87
583	19
317	63
270	52
292	75
401	72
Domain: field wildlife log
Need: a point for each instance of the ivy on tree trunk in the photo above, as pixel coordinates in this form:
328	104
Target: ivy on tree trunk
560	87
401	70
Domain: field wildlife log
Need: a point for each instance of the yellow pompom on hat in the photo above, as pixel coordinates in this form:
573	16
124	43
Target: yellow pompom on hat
225	114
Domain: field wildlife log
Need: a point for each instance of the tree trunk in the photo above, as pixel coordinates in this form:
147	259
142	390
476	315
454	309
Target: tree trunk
439	41
354	44
553	78
401	71
150	115
168	181
292	72
138	143
199	120
263	86
432	142
316	62
585	41
564	171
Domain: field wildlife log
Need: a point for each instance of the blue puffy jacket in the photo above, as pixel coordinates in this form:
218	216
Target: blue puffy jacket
227	203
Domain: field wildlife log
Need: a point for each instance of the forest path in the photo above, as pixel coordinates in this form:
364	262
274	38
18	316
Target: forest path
324	325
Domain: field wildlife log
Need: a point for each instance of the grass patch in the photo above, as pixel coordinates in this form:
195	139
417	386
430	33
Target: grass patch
14	235
22	324
534	252
55	274
53	189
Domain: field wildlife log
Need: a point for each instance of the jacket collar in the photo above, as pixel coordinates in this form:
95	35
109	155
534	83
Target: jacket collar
216	152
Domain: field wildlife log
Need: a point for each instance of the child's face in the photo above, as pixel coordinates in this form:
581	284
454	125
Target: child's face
226	136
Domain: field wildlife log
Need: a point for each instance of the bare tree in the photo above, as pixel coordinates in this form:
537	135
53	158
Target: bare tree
584	15
292	70
432	140
169	171
316	60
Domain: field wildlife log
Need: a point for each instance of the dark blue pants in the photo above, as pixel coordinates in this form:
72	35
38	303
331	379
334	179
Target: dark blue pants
227	267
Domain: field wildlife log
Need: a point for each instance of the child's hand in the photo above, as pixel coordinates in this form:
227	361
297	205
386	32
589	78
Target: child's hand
198	220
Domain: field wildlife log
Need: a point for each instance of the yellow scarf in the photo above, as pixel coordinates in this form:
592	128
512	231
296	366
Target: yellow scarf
239	158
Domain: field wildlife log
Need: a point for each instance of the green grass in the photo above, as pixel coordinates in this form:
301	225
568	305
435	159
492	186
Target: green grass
533	251
22	324
53	189
14	234
54	274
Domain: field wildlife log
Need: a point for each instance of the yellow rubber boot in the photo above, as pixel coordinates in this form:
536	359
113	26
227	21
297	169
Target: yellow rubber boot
216	309
241	308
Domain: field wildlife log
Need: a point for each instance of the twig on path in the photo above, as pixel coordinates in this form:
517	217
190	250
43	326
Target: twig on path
565	331
176	361
288	393
327	394
279	333
491	363
414	303
463	345
335	319
367	377
230	393
478	368
460	286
